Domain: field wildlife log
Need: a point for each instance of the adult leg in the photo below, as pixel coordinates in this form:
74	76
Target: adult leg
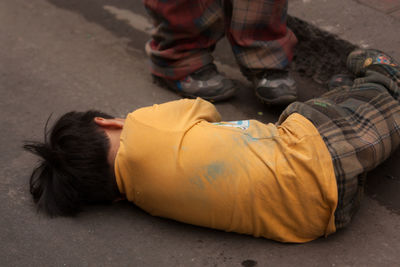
263	46
361	128
184	35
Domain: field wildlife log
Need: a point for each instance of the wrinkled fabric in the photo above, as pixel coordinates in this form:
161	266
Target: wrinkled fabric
186	31
361	127
178	160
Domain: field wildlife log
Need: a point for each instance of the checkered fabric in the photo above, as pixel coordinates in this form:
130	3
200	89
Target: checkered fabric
186	32
360	126
360	61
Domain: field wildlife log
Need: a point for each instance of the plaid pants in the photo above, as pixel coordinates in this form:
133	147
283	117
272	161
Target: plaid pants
360	127
186	31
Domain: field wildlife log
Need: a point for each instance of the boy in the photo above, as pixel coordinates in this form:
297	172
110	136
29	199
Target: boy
292	182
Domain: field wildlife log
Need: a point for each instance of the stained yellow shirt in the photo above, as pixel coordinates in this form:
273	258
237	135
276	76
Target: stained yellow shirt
177	160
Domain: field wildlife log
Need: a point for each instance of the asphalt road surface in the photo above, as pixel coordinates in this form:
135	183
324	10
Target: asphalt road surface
58	56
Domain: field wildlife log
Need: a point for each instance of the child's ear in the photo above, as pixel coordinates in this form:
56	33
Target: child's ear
109	123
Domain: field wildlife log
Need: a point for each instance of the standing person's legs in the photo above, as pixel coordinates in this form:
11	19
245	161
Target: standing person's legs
184	35
361	128
263	46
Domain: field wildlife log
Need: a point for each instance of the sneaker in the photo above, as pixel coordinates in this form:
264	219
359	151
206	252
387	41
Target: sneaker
359	61
206	83
275	87
340	80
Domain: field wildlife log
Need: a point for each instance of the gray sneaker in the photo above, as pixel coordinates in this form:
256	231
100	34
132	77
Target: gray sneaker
206	83
275	87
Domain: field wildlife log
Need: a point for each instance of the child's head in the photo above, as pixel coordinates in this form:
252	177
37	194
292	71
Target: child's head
73	169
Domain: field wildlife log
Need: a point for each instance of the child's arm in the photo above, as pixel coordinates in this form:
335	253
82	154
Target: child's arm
196	109
177	114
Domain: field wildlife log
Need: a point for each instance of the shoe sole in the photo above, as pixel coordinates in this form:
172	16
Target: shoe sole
280	101
228	94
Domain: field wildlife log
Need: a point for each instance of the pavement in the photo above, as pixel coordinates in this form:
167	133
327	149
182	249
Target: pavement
365	23
60	55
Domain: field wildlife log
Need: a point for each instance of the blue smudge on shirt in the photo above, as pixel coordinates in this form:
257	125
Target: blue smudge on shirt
196	180
248	138
214	170
210	172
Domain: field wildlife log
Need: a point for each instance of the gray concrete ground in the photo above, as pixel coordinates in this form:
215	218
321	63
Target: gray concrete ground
366	23
59	56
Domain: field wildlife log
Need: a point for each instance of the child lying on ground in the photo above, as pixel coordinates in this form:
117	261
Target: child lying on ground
292	181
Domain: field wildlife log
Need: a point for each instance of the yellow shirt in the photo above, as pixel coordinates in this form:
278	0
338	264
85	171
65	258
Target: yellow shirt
177	160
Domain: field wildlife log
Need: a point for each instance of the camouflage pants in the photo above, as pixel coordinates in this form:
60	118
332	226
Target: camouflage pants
360	127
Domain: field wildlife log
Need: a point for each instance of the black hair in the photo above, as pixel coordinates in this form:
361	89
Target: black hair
73	170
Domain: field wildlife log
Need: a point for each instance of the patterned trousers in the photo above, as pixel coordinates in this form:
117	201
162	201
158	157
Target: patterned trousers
360	127
186	31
